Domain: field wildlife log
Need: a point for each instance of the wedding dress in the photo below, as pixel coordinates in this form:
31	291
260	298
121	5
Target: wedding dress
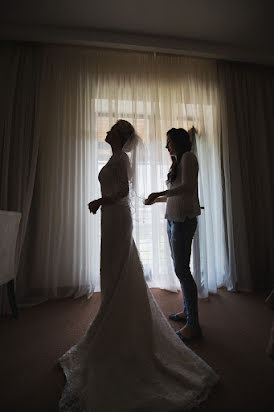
130	359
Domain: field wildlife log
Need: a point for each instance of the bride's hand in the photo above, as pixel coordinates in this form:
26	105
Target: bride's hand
94	206
151	199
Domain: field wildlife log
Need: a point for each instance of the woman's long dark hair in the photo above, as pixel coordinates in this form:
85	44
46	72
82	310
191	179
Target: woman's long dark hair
182	142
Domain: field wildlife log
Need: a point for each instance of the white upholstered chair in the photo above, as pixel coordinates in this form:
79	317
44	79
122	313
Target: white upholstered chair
9	225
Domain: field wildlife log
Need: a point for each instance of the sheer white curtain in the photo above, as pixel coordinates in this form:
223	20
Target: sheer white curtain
86	91
66	249
209	251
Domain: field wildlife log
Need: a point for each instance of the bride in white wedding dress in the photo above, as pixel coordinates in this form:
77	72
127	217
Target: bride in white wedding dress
130	359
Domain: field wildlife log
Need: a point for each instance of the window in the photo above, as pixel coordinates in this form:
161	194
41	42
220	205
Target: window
149	222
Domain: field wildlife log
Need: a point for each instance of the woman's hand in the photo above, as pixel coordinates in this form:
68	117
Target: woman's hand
152	198
94	206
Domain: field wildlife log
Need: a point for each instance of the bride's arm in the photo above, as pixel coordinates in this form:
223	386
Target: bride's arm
121	176
121	181
120	194
109	200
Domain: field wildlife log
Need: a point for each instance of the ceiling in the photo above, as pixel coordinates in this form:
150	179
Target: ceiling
231	29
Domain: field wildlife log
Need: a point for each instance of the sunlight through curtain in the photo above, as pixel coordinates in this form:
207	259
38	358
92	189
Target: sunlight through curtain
85	92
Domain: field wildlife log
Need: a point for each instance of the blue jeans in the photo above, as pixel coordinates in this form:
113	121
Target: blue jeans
180	235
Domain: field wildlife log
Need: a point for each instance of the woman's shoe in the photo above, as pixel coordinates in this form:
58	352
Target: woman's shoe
188	339
177	318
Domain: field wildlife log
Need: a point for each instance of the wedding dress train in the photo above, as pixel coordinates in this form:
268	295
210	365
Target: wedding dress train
130	359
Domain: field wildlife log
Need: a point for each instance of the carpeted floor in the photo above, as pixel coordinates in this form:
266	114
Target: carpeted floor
236	331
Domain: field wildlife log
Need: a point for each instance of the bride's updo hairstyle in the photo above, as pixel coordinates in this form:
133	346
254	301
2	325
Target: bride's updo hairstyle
128	135
181	139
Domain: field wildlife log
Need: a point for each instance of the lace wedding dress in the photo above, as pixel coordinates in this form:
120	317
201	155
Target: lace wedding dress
130	359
